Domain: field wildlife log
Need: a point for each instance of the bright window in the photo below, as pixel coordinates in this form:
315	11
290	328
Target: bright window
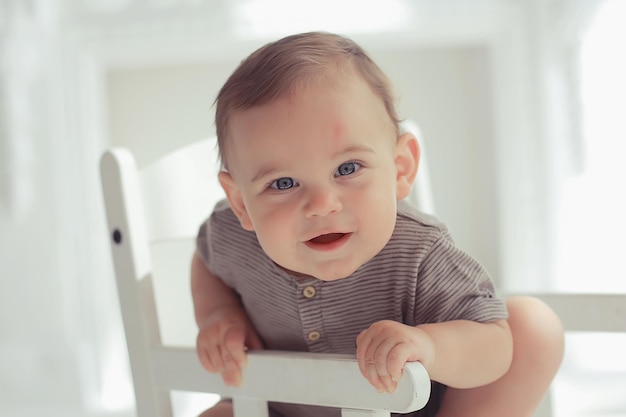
592	221
592	232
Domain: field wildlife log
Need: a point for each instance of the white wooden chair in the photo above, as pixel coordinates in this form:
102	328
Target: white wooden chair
153	216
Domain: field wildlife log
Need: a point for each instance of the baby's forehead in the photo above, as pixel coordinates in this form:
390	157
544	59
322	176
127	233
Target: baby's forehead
340	95
349	82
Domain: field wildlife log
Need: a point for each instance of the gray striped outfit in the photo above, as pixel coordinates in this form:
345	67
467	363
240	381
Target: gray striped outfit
418	277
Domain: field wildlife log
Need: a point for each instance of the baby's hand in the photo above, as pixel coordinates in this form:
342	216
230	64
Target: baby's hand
384	348
222	341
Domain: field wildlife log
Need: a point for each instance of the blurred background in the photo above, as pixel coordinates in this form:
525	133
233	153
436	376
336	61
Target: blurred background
521	103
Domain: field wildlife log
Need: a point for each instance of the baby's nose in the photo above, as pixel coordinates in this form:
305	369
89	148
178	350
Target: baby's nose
322	202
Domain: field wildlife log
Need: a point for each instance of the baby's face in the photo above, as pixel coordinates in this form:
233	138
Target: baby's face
314	175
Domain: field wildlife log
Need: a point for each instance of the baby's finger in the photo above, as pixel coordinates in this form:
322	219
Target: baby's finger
381	383
372	376
214	355
362	345
381	358
388	384
209	355
398	357
232	374
234	348
371	367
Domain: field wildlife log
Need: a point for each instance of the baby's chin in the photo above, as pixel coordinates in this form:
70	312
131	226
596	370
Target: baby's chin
331	275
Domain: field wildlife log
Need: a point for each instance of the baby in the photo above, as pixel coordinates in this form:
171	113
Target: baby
315	249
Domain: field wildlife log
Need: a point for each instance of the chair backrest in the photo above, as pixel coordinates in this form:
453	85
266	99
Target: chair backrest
153	215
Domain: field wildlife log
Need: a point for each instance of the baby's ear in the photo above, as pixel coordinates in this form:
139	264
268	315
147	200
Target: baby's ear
233	194
407	158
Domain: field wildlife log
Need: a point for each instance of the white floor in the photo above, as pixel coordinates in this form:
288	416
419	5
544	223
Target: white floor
588	395
592	379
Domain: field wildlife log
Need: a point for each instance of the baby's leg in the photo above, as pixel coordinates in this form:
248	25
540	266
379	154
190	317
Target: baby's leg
221	409
224	408
538	350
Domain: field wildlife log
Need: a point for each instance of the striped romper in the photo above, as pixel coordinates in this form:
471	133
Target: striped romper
419	277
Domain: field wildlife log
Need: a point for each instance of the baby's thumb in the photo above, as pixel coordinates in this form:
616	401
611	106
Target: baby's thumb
253	341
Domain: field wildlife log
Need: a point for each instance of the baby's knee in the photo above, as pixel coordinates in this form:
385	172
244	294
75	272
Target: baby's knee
536	329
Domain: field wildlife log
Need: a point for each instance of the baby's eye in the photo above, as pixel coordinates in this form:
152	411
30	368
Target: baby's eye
283	183
348	168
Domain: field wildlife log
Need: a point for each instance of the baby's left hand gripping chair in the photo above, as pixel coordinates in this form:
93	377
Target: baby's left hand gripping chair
153	215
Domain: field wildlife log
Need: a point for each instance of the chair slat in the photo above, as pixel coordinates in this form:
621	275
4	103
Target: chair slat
589	312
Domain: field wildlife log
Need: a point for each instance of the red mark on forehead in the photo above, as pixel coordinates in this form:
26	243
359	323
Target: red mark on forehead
338	129
338	135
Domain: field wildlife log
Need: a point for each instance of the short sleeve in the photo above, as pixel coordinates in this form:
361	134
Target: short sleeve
202	242
210	231
452	286
225	247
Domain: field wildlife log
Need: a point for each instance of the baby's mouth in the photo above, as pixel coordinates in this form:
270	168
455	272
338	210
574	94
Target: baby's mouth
327	238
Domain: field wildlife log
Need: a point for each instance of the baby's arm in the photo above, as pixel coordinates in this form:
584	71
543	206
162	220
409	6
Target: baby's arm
458	353
224	328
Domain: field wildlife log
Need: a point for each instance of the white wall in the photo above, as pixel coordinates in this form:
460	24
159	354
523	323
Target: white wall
153	110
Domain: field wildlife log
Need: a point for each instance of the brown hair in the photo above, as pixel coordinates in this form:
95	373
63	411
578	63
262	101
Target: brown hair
284	66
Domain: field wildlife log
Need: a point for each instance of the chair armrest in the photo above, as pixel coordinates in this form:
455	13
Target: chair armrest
295	377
